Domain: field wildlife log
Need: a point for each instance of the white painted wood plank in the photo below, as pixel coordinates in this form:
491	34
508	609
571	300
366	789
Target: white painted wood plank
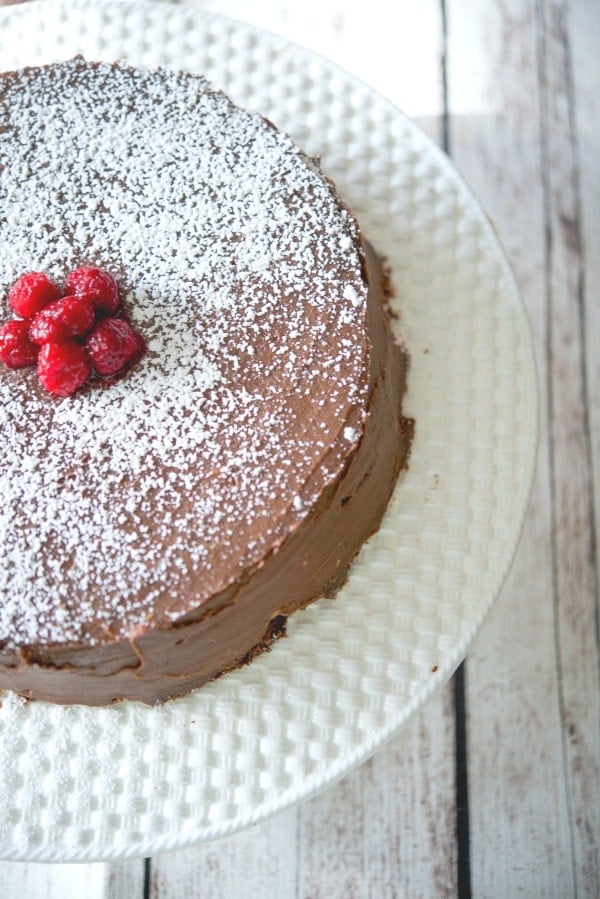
585	41
585	44
259	862
388	828
123	880
520	840
576	584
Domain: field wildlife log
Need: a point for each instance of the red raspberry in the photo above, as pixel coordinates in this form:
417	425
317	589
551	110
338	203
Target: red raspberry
97	285
62	367
113	345
16	349
68	317
31	293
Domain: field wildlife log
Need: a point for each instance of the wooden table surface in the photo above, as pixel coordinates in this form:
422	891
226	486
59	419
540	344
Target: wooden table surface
493	790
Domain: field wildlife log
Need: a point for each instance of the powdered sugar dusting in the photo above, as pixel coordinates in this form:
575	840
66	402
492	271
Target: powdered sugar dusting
130	502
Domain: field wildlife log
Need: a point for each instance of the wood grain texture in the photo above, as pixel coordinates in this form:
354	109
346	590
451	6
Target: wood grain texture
517	784
121	880
575	583
124	880
584	31
260	861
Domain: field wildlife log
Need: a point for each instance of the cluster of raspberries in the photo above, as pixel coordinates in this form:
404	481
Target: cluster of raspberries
71	335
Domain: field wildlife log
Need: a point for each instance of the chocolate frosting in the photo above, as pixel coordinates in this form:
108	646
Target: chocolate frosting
158	533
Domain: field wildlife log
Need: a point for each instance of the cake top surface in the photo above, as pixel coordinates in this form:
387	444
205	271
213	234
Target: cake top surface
129	506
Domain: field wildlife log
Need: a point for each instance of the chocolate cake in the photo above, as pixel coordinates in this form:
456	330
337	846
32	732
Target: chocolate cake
157	533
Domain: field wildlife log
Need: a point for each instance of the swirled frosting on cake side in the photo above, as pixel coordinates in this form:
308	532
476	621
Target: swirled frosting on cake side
135	519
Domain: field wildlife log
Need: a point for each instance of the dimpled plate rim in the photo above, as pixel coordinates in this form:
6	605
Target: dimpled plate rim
81	784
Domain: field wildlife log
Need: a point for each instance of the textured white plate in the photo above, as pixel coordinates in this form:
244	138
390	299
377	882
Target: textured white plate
80	783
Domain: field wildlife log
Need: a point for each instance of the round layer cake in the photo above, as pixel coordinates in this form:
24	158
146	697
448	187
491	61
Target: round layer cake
156	533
